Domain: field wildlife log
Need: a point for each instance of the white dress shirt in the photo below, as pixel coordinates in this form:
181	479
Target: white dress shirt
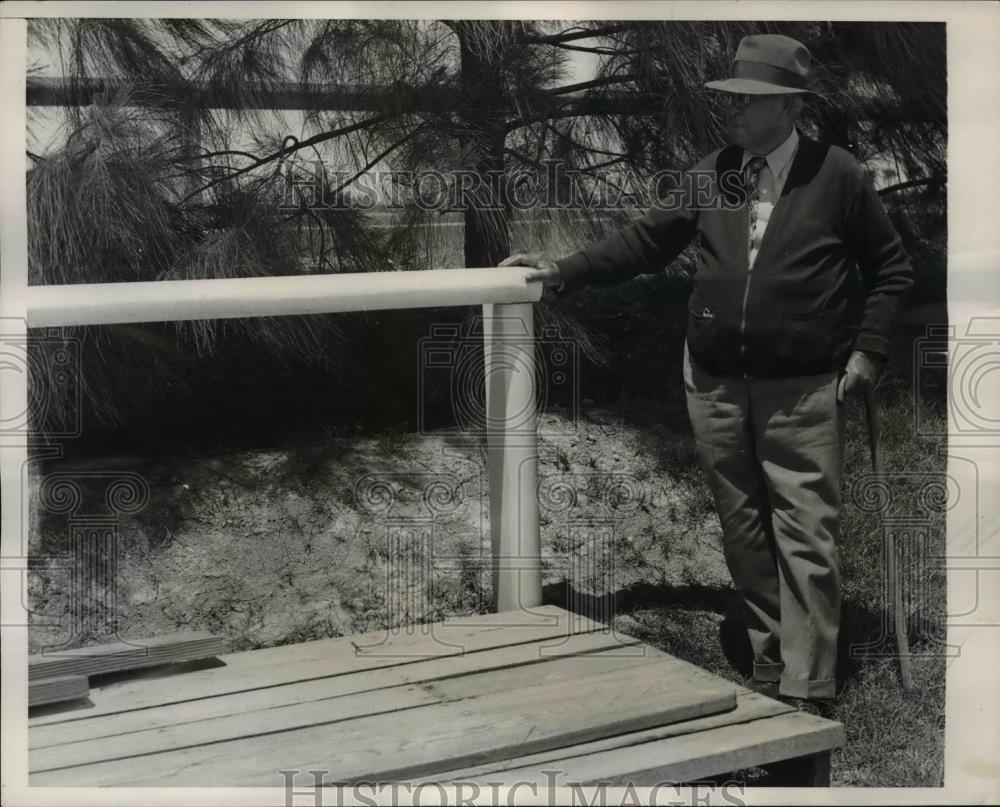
772	182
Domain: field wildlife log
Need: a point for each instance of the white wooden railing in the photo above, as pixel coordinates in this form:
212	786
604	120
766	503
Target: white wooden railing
508	330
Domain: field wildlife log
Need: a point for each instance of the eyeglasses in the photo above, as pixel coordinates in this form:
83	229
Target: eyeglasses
730	100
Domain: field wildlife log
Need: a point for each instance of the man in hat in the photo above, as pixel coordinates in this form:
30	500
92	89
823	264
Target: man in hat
800	276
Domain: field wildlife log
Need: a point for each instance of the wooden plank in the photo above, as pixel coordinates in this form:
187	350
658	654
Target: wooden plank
690	756
465	634
233	726
494	456
252	720
548	626
227	298
552	671
750	706
728	748
512	449
57	690
120	656
453	671
420	741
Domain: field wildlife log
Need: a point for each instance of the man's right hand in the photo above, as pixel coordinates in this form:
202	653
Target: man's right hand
859	376
545	269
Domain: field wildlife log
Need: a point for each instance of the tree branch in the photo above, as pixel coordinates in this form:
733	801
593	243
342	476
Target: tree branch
526	160
256	32
571	34
208	155
604	179
286	150
378	158
913	183
590	149
599	51
604	164
624	104
607	81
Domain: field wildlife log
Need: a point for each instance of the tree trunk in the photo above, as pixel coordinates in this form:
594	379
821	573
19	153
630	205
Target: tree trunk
486	212
834	125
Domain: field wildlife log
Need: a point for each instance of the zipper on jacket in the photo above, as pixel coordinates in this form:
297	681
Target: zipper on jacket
743	322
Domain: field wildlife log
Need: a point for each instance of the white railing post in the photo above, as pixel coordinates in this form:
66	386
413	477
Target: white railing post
509	334
512	454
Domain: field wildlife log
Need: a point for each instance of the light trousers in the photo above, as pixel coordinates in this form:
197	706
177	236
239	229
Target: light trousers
773	449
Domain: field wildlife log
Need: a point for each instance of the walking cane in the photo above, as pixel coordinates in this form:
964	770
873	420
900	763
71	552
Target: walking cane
892	570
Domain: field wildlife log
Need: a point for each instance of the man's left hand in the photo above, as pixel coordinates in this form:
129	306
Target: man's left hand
862	370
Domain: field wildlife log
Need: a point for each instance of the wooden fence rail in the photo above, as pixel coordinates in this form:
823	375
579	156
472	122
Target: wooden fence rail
170	300
512	449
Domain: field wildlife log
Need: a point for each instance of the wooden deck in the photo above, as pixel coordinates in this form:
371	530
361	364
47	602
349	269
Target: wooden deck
498	698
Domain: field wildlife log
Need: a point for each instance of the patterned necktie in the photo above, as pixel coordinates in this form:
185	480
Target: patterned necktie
753	169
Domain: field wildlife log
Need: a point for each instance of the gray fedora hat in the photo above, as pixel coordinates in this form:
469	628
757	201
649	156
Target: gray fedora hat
768	64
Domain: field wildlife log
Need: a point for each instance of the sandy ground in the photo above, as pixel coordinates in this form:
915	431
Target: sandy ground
338	536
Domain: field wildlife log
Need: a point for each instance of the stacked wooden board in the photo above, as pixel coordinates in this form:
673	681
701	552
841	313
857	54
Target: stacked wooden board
59	689
63	675
459	697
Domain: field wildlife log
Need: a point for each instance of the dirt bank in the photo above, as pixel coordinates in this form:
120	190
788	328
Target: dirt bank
334	536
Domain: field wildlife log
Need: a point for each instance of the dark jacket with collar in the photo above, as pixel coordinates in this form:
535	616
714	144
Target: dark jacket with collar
830	275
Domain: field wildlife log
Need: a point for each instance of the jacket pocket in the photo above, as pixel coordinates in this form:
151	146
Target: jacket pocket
703	340
803	316
805	341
